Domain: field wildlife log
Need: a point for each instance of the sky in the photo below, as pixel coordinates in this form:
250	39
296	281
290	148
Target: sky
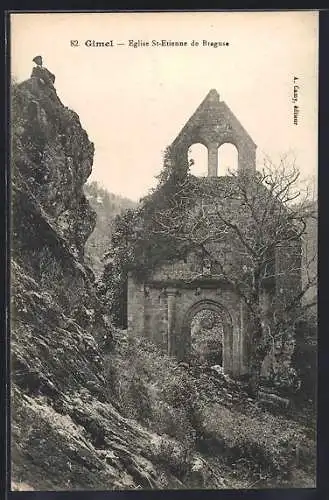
133	102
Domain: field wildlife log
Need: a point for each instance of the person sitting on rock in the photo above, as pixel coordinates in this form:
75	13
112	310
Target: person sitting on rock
43	73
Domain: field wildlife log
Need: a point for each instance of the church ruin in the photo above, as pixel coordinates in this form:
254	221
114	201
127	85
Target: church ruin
163	307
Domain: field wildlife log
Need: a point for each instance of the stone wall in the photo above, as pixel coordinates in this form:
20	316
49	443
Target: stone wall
213	124
163	307
310	258
288	272
162	310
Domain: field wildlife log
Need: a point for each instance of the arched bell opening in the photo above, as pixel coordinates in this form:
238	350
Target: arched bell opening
228	159
198	160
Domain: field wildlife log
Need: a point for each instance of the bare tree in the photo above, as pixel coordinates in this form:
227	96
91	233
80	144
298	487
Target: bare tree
250	228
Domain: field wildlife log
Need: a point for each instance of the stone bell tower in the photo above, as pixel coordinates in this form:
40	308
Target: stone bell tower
163	306
213	124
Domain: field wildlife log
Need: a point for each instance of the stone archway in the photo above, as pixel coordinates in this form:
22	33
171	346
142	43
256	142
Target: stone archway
198	159
228	158
227	328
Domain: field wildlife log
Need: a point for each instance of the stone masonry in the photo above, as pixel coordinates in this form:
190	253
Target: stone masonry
163	307
213	124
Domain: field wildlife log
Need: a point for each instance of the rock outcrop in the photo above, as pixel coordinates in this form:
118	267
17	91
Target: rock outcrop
66	432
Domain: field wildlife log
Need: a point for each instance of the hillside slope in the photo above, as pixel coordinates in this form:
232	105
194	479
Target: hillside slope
106	206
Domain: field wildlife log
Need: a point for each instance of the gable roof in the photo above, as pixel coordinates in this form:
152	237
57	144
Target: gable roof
211	112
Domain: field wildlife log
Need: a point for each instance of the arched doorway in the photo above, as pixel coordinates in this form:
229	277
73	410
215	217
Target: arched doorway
207	335
207	338
197	155
228	159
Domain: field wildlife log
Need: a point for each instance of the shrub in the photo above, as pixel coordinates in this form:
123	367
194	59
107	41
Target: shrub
266	439
305	357
149	386
173	456
172	422
186	406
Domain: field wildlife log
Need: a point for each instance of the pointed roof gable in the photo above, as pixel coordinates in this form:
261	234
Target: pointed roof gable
213	118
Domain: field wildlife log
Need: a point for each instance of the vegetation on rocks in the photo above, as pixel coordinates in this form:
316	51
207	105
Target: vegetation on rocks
91	407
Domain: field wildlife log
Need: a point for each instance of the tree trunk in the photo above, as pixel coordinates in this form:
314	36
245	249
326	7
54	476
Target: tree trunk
258	353
254	379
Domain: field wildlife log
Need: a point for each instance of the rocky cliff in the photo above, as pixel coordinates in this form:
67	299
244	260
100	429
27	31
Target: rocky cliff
66	432
51	218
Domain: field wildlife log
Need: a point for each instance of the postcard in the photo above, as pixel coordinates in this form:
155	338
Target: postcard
163	255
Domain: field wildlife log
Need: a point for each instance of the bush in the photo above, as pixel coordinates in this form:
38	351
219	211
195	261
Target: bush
305	357
175	457
267	440
129	391
187	408
150	386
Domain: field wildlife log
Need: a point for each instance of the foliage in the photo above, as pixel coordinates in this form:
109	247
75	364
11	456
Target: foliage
305	357
149	386
193	411
269	440
113	284
257	214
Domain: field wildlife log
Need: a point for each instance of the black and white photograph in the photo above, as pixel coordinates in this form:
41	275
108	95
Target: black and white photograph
163	255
